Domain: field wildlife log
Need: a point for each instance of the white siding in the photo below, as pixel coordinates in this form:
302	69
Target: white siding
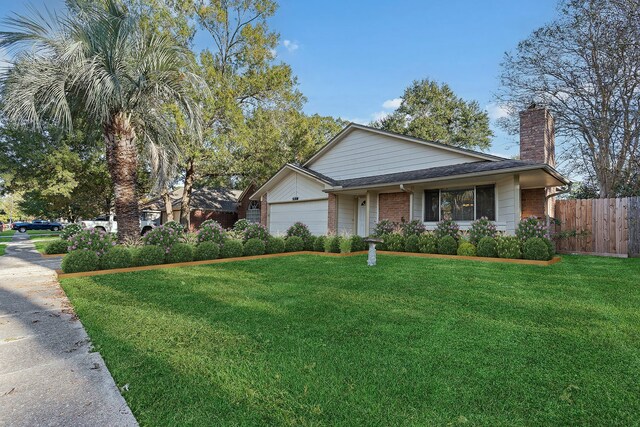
373	210
346	215
363	153
296	185
312	213
508	194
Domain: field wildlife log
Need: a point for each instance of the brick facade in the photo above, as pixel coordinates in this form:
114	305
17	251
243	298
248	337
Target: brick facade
197	217
243	204
332	215
394	206
537	141
532	202
263	211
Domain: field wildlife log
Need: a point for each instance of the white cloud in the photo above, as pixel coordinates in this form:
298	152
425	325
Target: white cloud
379	115
273	52
496	111
392	104
290	46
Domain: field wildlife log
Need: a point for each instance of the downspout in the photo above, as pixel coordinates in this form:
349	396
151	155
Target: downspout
548	196
406	190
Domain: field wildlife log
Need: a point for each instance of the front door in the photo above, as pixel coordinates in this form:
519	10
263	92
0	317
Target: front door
362	216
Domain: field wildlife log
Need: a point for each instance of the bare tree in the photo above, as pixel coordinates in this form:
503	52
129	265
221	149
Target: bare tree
585	67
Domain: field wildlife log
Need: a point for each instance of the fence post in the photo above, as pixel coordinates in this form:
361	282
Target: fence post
634	227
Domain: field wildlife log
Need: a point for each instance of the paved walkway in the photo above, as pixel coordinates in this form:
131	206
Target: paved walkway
48	374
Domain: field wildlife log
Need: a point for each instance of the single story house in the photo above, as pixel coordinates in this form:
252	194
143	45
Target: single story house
364	175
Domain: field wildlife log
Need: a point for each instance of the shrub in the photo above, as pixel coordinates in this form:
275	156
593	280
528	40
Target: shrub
394	242
358	244
531	227
447	227
241	225
164	237
384	227
275	245
294	244
487	247
427	243
299	230
174	225
206	251
256	231
411	243
132	242
320	244
466	249
211	232
412	228
447	245
70	230
535	248
254	246
180	252
550	246
508	247
93	240
189	238
116	257
482	228
79	260
148	255
332	244
231	249
345	245
57	246
310	243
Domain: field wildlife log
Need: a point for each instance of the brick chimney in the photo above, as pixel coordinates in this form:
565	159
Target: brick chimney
537	141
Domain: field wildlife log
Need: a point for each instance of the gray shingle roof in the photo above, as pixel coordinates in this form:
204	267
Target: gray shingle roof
208	199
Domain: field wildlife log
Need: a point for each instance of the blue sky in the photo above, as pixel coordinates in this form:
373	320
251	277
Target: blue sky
353	58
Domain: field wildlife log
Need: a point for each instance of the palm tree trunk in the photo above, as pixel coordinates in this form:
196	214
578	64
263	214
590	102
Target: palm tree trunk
122	161
168	207
185	217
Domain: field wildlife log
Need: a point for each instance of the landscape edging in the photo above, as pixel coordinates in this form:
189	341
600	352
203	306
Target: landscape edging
62	275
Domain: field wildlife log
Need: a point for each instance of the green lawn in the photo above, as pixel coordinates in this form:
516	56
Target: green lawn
44	237
36	232
2	249
311	340
7	233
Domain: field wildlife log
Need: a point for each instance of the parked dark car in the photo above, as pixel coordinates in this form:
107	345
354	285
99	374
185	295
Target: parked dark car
38	224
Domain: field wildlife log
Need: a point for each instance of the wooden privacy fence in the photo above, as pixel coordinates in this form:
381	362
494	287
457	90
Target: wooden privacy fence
599	226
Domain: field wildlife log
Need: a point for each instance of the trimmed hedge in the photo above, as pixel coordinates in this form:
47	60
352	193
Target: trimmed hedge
275	245
536	249
508	247
345	246
447	245
206	251
428	243
231	249
80	260
180	252
487	247
358	244
319	244
394	242
148	255
116	257
411	243
254	247
310	243
57	246
466	249
332	244
294	244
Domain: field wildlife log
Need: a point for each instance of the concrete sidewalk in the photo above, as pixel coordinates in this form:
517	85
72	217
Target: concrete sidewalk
48	374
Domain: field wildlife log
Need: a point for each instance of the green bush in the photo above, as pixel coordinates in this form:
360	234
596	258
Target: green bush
411	228
57	246
411	243
550	246
535	248
94	240
319	243
206	251
256	231
241	224
211	231
180	252
447	227
70	230
345	246
80	260
384	227
164	236
231	249
508	247
447	245
358	244
175	226
394	242
487	247
299	230
275	245
254	247
148	255
428	243
310	243
294	244
531	227
480	228
332	244
116	257
466	249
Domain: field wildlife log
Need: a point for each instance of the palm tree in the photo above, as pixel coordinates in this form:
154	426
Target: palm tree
99	61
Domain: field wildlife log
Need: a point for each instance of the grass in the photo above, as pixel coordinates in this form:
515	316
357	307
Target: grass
44	237
2	249
36	232
313	340
7	233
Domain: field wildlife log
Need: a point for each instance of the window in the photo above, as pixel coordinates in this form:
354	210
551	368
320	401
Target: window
253	211
460	205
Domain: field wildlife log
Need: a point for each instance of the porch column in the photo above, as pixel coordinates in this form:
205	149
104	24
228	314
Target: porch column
332	217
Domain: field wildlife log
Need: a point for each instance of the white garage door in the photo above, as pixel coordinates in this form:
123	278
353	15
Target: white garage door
313	214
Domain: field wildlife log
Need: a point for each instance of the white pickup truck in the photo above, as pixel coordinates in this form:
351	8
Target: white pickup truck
109	224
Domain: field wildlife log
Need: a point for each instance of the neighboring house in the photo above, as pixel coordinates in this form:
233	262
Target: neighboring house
249	209
219	204
364	175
